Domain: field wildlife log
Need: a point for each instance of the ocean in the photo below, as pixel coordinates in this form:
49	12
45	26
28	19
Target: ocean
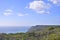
16	29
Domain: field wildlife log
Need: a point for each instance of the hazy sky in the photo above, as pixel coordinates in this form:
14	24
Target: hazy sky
29	12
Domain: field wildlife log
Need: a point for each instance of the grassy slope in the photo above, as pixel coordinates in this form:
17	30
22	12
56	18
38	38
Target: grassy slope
49	33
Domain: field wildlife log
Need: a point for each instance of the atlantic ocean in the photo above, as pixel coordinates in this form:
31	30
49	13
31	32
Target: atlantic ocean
13	29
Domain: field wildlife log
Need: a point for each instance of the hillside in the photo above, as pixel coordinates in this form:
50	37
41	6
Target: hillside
40	27
46	32
38	32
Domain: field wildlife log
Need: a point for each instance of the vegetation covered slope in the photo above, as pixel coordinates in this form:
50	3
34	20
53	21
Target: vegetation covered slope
40	27
43	32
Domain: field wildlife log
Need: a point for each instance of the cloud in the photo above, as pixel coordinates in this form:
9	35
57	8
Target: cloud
8	12
39	6
57	2
44	12
21	14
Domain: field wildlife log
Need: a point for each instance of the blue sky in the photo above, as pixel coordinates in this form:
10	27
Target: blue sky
29	12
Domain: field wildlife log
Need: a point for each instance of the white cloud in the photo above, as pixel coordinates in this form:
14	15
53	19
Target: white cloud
57	2
39	6
21	14
43	12
8	12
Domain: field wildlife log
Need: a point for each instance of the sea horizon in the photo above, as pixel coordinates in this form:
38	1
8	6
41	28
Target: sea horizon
12	29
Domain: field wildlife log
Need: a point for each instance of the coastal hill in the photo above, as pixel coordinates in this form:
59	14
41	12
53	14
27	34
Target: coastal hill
41	27
38	32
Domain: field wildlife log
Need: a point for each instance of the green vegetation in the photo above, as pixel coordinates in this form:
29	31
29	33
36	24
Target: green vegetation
46	33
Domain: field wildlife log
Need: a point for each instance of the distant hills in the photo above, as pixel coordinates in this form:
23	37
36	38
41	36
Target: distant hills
41	27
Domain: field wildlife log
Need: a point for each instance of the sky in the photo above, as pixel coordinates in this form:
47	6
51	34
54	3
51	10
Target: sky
29	12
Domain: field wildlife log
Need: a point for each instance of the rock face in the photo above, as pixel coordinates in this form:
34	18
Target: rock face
40	27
